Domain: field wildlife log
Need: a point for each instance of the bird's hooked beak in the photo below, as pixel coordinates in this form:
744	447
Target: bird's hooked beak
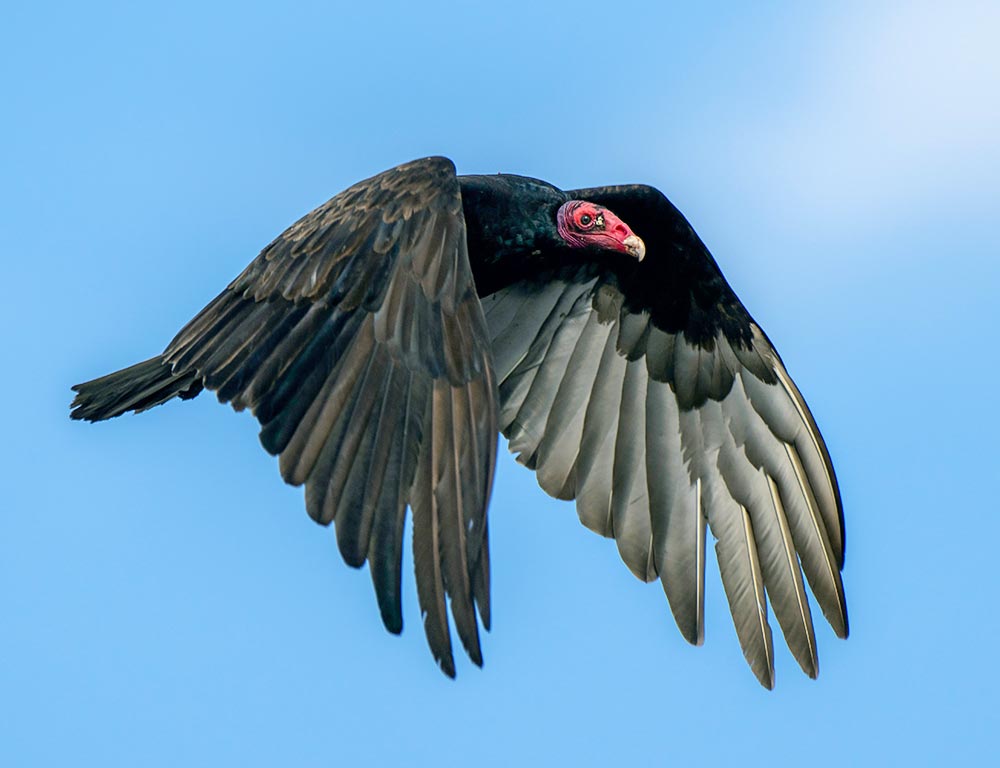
621	234
634	247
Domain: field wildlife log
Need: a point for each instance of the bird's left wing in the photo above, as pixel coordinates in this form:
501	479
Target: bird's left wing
646	392
357	340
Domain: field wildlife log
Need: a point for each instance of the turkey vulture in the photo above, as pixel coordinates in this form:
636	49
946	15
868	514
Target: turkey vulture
384	339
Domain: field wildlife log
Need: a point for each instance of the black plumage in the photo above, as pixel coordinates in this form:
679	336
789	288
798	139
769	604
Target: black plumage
385	339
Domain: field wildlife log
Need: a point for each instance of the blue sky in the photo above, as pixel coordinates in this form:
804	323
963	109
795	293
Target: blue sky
165	598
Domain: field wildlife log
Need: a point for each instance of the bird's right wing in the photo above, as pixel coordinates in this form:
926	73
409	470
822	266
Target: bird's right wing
357	340
646	392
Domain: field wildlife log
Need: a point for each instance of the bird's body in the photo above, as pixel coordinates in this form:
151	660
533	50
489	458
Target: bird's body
384	339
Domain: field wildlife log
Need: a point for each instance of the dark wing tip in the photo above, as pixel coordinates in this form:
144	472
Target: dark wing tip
692	634
446	663
485	614
136	388
387	592
476	655
847	624
78	407
86	407
393	622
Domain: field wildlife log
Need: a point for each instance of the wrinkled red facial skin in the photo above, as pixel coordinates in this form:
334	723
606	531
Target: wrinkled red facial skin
603	229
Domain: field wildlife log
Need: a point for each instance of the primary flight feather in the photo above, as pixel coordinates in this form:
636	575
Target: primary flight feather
383	340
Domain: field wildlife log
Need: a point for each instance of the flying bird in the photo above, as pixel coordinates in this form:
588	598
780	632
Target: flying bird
386	338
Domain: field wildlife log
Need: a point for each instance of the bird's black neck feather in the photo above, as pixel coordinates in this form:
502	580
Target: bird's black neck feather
510	228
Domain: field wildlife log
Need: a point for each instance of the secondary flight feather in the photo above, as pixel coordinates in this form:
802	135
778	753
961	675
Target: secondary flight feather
386	338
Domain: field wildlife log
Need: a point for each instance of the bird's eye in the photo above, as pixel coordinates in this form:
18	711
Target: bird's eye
586	220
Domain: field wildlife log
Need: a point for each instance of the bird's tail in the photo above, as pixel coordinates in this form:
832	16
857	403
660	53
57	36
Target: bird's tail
135	388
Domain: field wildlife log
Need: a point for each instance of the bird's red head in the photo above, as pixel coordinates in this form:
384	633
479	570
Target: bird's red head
583	224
